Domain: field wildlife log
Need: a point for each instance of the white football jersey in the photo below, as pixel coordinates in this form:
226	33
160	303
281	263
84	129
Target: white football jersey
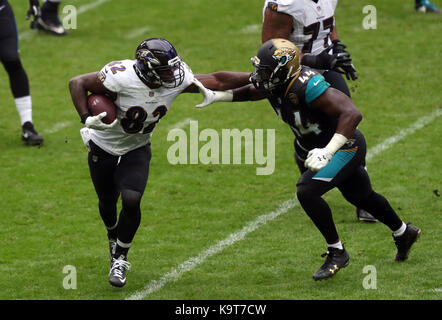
139	107
312	22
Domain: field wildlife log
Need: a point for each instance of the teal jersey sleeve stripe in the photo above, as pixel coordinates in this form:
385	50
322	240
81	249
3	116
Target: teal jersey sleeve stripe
315	87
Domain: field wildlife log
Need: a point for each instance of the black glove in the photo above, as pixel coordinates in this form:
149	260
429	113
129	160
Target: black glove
347	67
327	61
324	60
34	9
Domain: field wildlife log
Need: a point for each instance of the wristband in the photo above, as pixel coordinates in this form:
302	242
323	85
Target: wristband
336	143
226	96
84	117
308	60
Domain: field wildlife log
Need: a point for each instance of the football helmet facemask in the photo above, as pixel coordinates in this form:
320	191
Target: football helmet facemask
276	62
158	63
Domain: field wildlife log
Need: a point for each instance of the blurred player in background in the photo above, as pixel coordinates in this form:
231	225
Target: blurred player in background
311	25
425	6
46	17
143	90
18	79
324	121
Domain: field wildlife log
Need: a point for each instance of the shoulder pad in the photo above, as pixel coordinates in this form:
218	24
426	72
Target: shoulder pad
304	89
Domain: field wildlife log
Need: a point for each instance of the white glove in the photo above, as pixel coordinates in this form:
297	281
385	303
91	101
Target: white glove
317	159
211	96
94	122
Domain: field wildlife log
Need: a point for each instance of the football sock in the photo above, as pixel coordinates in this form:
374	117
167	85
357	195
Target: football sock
112	232
400	231
108	212
337	245
122	248
24	108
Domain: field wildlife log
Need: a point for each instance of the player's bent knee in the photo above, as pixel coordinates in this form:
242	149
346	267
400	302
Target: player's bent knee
131	199
304	193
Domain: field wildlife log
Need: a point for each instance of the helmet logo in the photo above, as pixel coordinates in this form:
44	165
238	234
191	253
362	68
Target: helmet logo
284	55
147	57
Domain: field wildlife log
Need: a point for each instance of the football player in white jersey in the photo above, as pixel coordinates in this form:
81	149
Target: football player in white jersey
143	91
310	24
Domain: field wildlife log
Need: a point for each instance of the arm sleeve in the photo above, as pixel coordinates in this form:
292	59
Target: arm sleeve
315	87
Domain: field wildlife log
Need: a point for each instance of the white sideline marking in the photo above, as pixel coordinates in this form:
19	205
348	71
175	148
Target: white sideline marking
89	6
193	262
181	124
135	33
253	28
57	127
419	124
28	34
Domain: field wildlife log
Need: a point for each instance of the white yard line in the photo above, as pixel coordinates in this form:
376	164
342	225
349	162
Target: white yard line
28	34
253	28
135	33
57	127
86	7
195	261
419	124
181	124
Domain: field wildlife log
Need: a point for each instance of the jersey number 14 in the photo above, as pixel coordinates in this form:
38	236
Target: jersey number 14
302	129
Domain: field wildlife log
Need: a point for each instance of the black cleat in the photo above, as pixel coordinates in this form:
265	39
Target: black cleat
48	20
117	273
29	136
365	216
405	241
336	259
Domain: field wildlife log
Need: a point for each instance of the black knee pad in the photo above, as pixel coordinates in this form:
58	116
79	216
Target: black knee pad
304	192
131	199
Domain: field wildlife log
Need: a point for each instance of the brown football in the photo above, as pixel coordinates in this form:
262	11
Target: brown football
98	103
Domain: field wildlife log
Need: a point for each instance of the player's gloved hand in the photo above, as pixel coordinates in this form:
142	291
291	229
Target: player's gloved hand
327	61
317	159
347	67
34	9
94	122
211	96
324	60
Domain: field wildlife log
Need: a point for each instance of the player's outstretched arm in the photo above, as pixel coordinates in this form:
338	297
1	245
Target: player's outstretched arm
220	81
244	93
216	87
79	87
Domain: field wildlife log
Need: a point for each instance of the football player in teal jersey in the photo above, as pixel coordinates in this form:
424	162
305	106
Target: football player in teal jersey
311	26
330	150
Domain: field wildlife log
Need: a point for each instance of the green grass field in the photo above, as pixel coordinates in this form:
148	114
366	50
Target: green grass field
49	207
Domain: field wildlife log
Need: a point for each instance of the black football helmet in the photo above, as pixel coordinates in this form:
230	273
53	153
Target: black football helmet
158	63
277	61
